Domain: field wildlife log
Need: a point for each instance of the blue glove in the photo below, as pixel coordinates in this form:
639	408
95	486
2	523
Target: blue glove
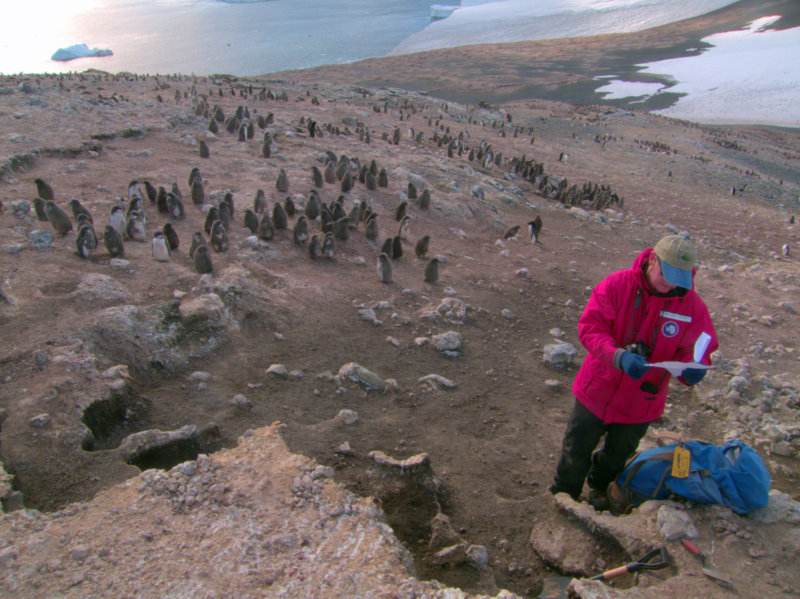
634	365
693	375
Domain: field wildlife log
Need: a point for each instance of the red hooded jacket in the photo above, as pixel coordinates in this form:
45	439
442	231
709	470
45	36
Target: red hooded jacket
622	310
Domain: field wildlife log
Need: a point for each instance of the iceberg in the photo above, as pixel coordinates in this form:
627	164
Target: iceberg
79	51
442	11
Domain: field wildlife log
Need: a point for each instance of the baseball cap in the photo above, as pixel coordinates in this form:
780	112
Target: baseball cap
678	256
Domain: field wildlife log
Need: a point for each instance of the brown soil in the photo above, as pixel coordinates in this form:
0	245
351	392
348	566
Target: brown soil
494	439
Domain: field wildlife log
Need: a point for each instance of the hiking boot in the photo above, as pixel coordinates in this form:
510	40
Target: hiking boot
599	500
617	500
555	489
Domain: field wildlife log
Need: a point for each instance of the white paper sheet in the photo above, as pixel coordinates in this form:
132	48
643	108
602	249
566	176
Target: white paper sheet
677	368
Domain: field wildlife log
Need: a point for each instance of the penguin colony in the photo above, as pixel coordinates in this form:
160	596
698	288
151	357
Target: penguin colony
328	214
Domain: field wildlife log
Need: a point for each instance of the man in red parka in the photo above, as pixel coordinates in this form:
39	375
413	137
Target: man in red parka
647	314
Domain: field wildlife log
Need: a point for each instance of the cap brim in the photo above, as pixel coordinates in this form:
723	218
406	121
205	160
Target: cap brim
676	276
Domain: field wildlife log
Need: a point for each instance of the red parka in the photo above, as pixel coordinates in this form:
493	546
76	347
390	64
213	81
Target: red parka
622	310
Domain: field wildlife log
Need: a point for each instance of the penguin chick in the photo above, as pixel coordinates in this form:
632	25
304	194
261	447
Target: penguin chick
384	268
171	235
300	231
421	248
202	260
86	241
58	218
314	248
197	241
404	229
219	237
328	246
432	271
112	239
534	228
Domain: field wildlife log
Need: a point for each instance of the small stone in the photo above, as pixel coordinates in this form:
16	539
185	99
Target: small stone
40	359
393	341
347	417
478	556
80	552
278	371
199	375
437	380
420	341
40	240
40	421
507	314
240	401
449	341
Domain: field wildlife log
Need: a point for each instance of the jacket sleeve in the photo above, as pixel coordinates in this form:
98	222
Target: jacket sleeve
596	324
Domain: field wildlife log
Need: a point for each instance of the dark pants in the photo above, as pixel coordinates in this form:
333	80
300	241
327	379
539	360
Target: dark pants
578	463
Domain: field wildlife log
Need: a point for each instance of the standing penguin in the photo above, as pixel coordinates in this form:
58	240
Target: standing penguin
86	241
171	235
58	218
422	246
251	220
314	248
397	247
202	260
260	202
43	190
384	268
300	231
118	220
405	227
313	205
534	228
266	230
38	208
371	231
279	218
328	246
160	248
197	241
432	271
219	237
113	242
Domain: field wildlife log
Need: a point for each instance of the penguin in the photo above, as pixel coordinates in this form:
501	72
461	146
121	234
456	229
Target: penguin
260	202
202	260
534	228
43	190
204	153
355	213
161	200
279	218
135	205
118	220
300	231
347	182
175	206
383	178
412	191
83	219
251	221
425	200
38	208
337	209
227	200
224	213
314	248
219	237
59	219
282	182
511	232
265	228
86	241
136	227
432	271
328	246
211	216
316	177
384	268
785	249
197	193
400	211
113	242
370	181
134	191
327	220
330	173
150	191
197	241
341	229
386	248
422	246
397	248
288	205
171	235
371	231
78	208
405	227
160	248
313	205
194	175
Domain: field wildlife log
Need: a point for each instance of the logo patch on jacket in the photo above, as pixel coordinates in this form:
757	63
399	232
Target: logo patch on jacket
670	328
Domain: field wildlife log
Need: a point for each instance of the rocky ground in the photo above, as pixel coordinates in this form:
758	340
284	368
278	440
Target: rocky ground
118	376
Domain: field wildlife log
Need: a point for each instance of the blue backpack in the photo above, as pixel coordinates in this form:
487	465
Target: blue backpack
731	474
